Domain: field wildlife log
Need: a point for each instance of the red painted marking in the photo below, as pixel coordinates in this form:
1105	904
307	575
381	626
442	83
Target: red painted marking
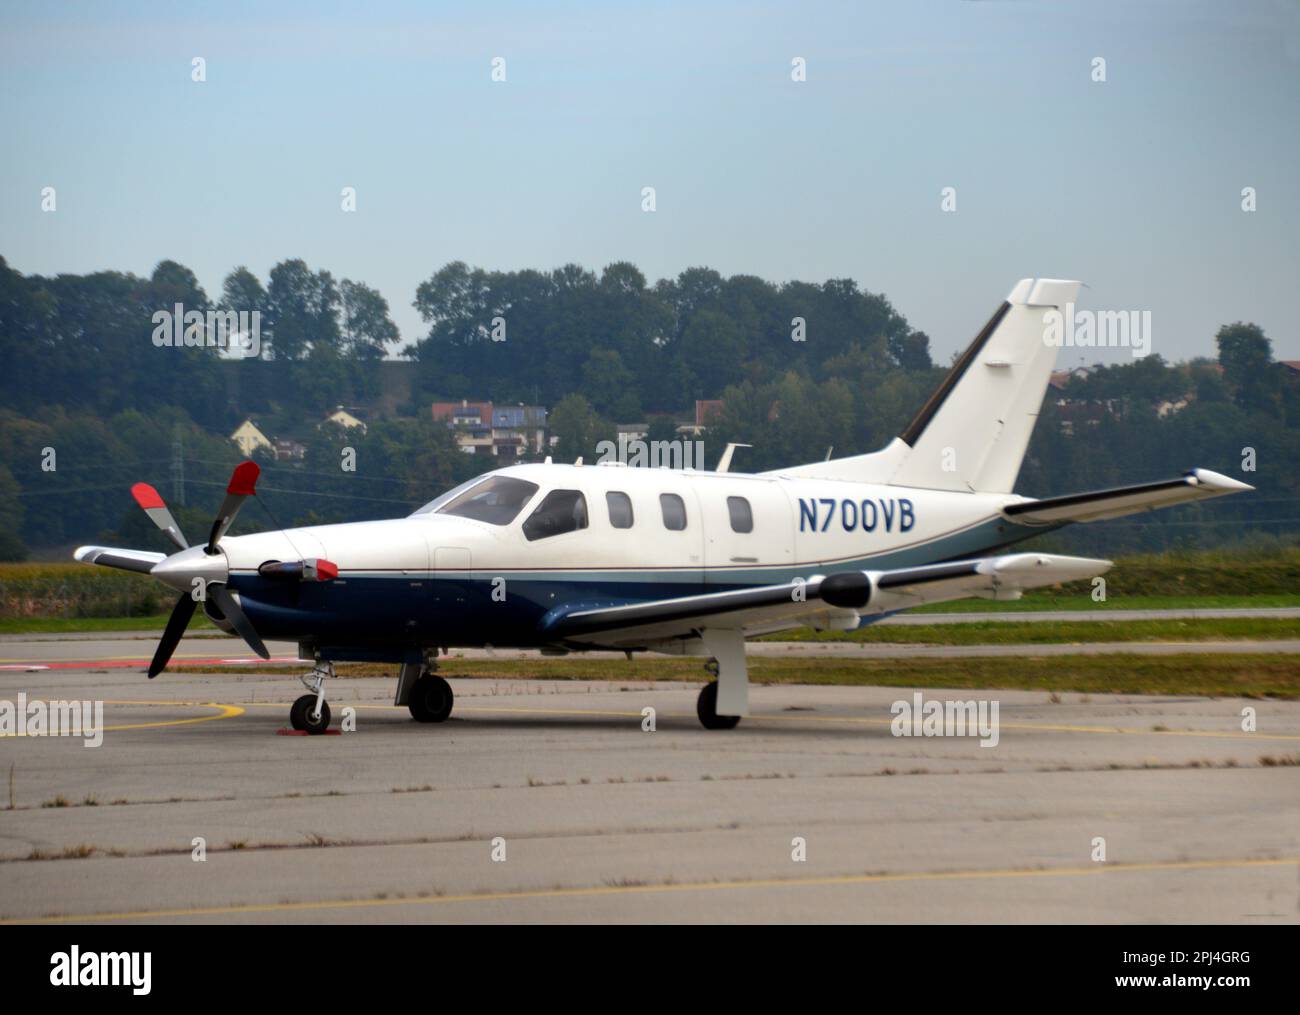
146	496
127	664
244	479
326	570
304	733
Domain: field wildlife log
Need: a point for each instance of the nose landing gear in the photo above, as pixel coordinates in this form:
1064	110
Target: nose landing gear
311	712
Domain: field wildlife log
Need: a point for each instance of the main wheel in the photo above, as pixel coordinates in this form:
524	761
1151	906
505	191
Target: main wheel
300	715
706	707
431	699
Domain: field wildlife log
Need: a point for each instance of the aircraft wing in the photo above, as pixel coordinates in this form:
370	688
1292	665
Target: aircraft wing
1198	484
141	561
836	600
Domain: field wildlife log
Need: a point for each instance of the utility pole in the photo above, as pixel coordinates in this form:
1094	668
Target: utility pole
178	467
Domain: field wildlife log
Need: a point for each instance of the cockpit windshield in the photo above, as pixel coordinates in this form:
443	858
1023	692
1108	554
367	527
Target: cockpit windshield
496	500
451	494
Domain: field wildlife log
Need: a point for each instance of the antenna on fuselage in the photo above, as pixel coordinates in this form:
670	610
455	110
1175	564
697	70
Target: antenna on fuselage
724	463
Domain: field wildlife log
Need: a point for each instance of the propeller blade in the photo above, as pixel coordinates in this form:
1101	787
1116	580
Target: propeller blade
243	482
148	498
220	595
176	625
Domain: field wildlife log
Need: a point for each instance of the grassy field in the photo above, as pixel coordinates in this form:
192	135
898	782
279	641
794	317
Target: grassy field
981	632
76	625
1050	599
991	632
1249	675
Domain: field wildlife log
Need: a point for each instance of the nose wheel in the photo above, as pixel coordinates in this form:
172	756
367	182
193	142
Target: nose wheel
311	712
303	716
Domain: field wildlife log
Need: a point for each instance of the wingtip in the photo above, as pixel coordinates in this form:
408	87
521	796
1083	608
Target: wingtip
1218	481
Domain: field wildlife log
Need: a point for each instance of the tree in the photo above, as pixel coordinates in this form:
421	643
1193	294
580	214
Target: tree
578	428
303	307
367	328
1246	356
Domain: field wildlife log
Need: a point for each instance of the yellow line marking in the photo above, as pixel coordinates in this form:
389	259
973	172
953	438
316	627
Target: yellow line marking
801	718
232	710
696	886
857	720
223	712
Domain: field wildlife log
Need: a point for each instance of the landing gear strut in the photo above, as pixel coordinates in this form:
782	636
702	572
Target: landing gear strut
706	706
311	712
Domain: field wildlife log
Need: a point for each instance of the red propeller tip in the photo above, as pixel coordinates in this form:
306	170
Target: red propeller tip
146	496
243	479
326	570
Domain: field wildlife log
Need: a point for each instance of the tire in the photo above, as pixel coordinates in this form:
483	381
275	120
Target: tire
706	707
300	716
431	699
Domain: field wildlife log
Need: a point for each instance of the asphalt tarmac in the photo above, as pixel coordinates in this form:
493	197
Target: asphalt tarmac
37	652
549	802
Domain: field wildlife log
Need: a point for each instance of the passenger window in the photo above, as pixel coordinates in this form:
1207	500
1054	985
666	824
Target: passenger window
620	509
562	511
674	511
742	517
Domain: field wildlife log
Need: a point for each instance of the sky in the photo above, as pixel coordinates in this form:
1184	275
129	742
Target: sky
1132	184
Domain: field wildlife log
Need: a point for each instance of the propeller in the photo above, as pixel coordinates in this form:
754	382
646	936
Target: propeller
176	625
241	487
231	610
185	568
148	498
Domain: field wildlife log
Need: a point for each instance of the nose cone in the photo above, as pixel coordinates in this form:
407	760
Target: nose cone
180	569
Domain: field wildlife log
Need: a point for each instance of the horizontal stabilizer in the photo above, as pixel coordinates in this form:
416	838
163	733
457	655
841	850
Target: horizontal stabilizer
1198	484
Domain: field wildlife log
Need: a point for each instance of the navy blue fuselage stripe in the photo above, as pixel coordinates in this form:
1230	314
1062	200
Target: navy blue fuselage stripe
395	615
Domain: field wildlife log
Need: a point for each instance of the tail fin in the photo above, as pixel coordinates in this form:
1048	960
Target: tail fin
972	433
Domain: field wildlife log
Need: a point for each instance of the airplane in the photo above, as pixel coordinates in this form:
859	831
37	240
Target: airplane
573	558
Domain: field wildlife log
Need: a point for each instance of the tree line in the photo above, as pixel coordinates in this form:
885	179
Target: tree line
802	368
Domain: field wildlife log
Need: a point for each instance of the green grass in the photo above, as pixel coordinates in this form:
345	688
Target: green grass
1197	629
1082	601
1247	675
992	632
74	625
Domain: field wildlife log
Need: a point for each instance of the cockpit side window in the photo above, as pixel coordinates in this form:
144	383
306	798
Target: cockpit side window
497	500
561	511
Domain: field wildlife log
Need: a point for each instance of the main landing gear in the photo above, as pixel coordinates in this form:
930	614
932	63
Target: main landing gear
431	698
311	712
421	690
706	706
